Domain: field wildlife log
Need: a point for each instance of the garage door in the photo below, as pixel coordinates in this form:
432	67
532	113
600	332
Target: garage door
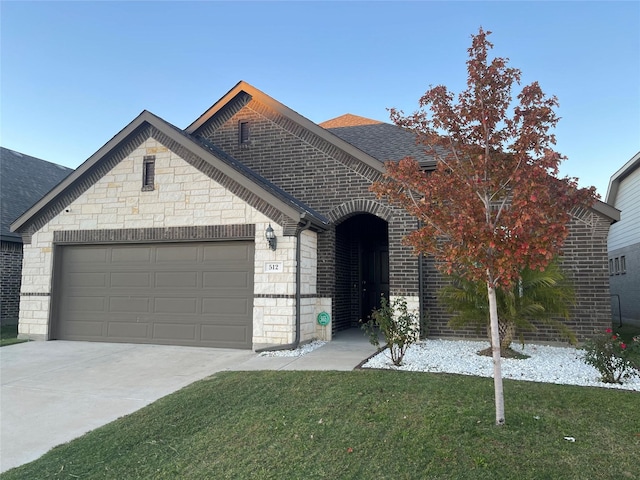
196	294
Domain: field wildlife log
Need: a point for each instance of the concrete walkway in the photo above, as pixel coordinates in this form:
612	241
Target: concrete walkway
53	392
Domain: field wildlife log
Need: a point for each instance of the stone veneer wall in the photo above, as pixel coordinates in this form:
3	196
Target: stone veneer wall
10	279
183	197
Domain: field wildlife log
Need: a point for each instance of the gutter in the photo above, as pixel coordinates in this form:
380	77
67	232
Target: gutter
296	340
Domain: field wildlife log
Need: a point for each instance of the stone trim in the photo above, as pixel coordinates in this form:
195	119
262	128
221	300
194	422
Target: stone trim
352	207
35	294
190	233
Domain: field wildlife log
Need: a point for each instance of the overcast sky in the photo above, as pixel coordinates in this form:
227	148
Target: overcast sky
73	74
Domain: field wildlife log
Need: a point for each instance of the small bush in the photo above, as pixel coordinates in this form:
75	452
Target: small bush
612	357
397	325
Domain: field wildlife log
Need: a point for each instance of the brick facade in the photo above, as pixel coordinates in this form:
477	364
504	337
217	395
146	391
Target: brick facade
192	198
10	280
329	181
584	263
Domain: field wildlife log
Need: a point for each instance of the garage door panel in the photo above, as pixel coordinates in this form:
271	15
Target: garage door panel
129	305
176	280
130	279
226	280
84	304
227	253
176	305
175	331
197	294
178	254
89	255
79	329
131	255
130	331
228	334
225	306
88	279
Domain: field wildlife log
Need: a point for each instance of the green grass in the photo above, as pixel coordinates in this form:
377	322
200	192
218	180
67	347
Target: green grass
627	332
9	335
359	425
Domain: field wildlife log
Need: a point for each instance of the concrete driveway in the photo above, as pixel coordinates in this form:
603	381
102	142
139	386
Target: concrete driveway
53	392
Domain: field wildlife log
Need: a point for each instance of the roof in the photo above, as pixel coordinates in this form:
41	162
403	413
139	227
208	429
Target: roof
382	141
225	164
348	120
23	181
614	183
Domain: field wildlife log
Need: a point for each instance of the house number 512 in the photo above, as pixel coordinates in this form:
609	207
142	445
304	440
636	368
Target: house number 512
273	267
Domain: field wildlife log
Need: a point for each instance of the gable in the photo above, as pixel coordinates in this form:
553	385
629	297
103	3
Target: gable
182	195
242	94
257	192
314	171
626	232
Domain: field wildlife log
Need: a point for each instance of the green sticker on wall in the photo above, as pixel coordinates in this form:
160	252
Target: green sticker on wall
323	318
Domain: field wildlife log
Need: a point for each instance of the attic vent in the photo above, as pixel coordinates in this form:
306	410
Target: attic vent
148	172
243	133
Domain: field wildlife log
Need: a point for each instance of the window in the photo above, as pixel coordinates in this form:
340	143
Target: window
611	266
623	264
616	266
244	137
148	173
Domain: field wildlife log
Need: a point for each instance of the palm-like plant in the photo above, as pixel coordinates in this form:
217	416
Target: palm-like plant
539	297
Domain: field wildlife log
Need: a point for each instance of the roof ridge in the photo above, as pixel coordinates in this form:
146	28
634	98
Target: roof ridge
348	120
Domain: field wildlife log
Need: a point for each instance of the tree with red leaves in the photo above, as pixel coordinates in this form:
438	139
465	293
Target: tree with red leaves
494	203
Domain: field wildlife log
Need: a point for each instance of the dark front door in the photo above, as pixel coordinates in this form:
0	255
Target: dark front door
374	274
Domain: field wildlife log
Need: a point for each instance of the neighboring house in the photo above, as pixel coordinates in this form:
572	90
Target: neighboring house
624	242
23	181
159	237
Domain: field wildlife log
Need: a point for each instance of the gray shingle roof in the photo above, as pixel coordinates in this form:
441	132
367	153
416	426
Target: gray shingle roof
383	142
23	181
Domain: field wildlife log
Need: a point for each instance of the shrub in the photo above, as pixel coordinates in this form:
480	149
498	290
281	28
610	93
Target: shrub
539	297
612	357
397	325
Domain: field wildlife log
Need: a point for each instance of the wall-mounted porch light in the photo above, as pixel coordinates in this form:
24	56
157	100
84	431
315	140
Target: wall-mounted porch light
270	235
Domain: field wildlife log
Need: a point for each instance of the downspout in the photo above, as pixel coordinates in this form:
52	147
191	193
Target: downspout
296	340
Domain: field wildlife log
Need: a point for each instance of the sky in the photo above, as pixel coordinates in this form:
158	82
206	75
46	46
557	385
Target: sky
73	74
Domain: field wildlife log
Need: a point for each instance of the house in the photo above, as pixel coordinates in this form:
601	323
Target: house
624	242
23	181
161	235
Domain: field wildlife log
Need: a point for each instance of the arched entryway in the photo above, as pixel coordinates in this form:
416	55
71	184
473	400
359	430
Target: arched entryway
362	269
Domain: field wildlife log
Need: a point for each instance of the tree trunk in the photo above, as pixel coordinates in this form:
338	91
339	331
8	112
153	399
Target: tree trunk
507	332
495	350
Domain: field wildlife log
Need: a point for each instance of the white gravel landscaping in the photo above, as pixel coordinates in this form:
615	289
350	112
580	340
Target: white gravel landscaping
563	365
298	352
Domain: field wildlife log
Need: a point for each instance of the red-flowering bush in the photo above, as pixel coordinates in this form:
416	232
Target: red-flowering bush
613	358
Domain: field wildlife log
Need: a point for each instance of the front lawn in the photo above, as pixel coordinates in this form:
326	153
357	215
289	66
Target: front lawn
359	425
9	335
